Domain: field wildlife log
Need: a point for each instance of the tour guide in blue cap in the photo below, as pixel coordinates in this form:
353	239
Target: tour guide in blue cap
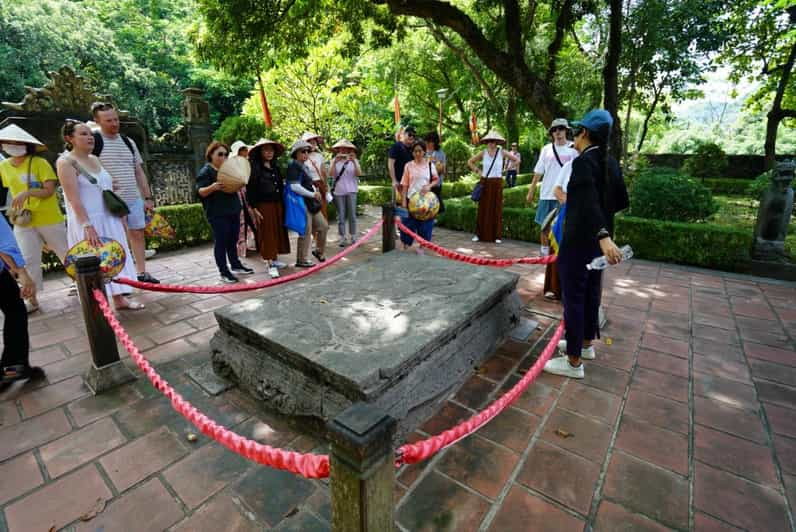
596	191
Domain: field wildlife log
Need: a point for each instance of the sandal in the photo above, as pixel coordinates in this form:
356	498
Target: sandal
21	372
132	305
318	256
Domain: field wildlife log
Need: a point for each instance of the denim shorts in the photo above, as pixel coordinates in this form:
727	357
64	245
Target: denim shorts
136	219
544	208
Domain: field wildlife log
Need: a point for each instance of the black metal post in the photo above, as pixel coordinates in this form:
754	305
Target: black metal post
362	476
106	369
388	229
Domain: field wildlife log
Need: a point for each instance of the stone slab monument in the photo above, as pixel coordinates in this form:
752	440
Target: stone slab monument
773	218
398	331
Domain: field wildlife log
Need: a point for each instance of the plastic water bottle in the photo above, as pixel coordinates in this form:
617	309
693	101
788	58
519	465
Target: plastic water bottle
601	263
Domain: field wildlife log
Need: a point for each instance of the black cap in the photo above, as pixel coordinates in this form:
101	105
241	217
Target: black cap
410	131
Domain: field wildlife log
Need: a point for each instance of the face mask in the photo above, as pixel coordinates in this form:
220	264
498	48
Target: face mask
15	150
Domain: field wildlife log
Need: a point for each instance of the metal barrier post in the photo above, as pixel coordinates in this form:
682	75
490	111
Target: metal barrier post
362	469
106	370
388	229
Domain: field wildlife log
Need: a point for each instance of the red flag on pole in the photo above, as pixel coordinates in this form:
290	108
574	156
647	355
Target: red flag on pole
473	128
264	104
396	106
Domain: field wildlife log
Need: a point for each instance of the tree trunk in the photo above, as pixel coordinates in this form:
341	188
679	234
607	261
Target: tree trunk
611	76
645	127
512	127
777	113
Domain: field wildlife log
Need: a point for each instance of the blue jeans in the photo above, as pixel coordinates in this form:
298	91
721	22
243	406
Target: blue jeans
511	178
226	230
422	228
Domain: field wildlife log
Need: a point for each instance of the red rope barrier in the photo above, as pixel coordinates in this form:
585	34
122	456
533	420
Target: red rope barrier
306	465
481	261
243	287
415	452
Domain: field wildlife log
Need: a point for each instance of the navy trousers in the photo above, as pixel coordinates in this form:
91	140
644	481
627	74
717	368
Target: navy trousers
226	230
580	294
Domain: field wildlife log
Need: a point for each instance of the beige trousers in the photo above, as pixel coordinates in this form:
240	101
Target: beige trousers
318	226
31	240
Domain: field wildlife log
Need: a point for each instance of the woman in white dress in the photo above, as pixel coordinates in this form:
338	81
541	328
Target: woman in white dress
87	217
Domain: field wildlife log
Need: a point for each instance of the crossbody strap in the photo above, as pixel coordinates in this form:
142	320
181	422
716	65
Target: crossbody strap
555	152
85	173
492	164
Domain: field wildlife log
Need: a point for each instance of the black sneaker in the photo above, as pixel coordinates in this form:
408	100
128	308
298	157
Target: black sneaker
147	278
242	270
227	277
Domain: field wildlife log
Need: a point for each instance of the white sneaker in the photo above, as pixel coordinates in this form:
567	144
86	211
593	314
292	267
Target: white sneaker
587	353
498	241
150	253
273	272
278	264
475	238
561	366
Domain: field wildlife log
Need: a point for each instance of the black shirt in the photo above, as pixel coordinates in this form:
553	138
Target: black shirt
592	200
218	203
400	152
265	185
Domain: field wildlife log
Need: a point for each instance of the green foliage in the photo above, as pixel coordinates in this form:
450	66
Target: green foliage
634	165
457	189
756	188
515	197
457	153
727	185
704	245
709	160
249	129
665	194
189	223
374	158
374	195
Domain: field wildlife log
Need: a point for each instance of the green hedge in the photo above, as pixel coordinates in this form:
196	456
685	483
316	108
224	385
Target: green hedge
704	245
728	186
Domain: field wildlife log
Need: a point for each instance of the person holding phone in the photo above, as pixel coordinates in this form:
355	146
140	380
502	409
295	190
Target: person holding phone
345	170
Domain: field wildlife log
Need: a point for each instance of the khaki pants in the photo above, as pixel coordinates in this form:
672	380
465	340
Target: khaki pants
318	226
31	240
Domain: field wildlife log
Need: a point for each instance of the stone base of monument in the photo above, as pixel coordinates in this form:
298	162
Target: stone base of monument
400	331
784	271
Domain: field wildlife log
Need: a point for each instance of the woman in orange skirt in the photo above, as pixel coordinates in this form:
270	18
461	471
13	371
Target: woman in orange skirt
264	192
489	224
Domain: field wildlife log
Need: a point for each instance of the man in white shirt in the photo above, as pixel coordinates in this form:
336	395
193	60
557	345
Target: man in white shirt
551	159
121	158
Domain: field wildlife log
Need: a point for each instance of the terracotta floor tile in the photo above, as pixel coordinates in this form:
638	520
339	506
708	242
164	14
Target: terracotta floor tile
513	428
446	417
94	407
561	475
725	369
587	437
662	362
753	310
665	345
663	384
203	473
615	518
139	459
781	419
32	433
706	523
81	446
716	351
221	513
614	359
607	379
658	411
776	393
537	398
790	488
49	397
720	415
513	349
770	354
479	464
773	372
9	415
660	446
733	393
738	501
149	506
496	368
647	489
786	453
286	492
722	321
19	475
736	455
438	503
590	401
475	392
59	503
521	510
48	355
716	334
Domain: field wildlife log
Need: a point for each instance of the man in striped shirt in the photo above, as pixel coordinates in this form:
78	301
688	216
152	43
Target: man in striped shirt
121	158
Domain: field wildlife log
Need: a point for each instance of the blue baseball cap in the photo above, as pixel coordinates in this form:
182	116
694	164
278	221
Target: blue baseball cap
598	121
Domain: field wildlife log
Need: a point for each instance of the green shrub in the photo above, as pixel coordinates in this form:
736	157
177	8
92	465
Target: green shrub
665	194
457	153
756	188
708	160
727	186
704	245
515	197
524	179
374	158
245	128
189	223
636	164
458	189
374	194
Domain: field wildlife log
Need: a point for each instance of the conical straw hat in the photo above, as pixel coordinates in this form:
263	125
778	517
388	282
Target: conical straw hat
308	136
493	135
343	143
236	146
235	172
279	148
14	133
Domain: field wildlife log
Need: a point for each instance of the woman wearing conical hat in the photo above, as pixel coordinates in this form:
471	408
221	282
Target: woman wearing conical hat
345	170
34	211
489	224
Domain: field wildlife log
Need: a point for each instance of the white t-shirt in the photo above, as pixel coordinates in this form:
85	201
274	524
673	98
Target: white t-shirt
547	166
120	163
497	167
314	165
563	176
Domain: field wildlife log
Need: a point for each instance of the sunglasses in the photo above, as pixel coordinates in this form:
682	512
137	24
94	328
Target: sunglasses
558	128
304	151
222	153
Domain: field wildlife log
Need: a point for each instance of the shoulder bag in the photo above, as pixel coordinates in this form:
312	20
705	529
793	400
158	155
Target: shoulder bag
113	202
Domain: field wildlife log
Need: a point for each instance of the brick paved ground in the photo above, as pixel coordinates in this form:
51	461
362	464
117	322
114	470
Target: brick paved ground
685	421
